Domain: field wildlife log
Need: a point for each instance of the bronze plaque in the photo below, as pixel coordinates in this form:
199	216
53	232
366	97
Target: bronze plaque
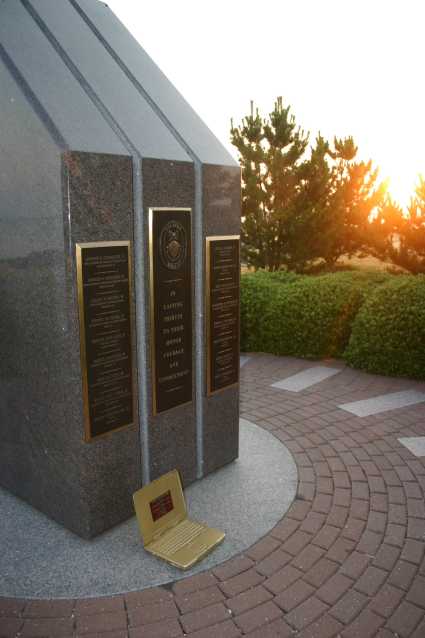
171	306
104	298
223	274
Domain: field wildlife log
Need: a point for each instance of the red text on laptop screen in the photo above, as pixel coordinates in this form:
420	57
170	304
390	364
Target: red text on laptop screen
161	505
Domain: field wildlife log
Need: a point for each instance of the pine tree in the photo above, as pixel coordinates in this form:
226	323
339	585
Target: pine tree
385	228
408	249
308	224
270	156
296	209
356	196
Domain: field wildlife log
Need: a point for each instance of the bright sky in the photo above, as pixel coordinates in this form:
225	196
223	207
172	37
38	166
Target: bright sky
347	67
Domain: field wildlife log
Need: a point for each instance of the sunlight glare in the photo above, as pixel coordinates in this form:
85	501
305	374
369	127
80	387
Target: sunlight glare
345	68
402	186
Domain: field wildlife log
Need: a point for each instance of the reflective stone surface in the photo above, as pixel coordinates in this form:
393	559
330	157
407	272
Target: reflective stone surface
221	207
171	434
90	130
86	487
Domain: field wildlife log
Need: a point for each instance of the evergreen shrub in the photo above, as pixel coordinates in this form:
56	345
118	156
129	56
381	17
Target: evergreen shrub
299	315
388	334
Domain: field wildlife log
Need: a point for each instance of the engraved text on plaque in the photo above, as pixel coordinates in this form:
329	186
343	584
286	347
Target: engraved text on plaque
222	255
171	307
104	297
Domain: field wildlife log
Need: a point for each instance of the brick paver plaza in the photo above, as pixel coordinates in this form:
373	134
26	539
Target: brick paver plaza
346	560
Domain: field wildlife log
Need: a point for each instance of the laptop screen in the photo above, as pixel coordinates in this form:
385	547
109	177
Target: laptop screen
159	505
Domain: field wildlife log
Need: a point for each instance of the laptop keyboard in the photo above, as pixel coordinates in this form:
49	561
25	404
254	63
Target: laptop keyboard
182	534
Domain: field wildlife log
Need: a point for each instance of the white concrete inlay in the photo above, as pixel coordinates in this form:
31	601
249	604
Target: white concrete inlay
243	359
384	402
306	378
40	559
416	444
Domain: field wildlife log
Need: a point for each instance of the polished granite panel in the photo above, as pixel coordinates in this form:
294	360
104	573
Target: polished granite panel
143	70
98	206
172	434
221	207
125	103
52	82
36	460
43	459
221	192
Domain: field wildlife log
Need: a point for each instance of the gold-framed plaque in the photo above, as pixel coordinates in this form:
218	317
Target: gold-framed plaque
170	258
222	309
104	286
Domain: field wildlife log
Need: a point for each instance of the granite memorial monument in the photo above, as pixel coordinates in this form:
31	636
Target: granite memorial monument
119	270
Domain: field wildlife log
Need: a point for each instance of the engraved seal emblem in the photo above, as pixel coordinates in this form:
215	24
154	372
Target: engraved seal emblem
173	245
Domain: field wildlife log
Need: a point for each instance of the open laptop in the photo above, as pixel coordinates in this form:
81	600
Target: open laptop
166	530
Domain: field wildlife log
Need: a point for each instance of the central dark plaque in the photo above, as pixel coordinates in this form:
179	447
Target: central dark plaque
223	273
171	307
104	294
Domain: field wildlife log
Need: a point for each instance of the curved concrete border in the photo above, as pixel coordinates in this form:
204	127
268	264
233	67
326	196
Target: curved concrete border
40	559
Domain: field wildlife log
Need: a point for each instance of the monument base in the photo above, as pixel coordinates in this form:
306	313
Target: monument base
116	561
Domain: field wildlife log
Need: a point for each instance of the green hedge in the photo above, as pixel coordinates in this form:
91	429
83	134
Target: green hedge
388	335
256	292
300	315
376	321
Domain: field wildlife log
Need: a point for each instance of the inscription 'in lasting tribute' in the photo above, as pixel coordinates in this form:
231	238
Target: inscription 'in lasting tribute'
223	274
171	307
104	293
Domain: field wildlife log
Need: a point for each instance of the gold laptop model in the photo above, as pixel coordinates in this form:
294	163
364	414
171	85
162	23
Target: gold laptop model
166	530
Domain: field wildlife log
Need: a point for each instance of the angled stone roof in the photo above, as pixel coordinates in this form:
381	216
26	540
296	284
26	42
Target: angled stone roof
94	87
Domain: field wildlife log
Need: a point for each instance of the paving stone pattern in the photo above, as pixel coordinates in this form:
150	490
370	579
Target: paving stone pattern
347	559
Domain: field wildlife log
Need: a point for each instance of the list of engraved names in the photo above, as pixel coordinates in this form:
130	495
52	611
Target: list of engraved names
107	336
223	316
